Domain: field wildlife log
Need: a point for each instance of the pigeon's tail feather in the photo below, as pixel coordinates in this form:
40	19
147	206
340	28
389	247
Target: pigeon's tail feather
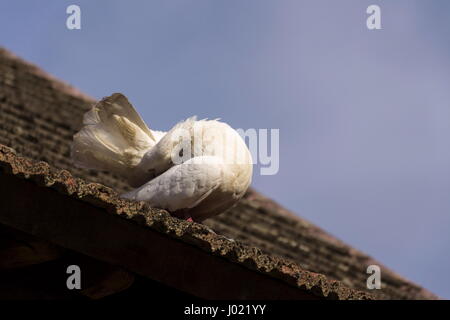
113	138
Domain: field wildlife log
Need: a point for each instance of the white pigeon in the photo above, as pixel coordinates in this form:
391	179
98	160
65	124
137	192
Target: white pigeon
196	170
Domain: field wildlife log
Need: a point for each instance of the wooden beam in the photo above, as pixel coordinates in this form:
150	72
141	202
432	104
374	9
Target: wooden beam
107	237
18	250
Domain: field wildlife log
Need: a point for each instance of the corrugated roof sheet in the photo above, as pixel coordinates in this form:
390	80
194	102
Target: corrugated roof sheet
71	227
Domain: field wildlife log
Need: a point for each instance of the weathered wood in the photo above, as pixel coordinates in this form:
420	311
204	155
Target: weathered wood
98	279
114	280
18	250
107	237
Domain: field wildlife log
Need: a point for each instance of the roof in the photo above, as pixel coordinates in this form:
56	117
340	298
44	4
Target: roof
90	218
38	117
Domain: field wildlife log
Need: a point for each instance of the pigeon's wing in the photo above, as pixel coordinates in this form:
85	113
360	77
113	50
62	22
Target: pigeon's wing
183	186
113	137
116	104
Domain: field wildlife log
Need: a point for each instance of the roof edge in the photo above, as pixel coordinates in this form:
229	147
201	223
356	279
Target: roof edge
191	233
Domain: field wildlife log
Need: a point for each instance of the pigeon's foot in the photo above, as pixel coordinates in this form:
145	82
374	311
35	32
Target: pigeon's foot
183	215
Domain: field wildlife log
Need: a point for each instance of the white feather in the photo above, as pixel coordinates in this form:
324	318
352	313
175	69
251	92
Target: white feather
219	171
183	186
114	137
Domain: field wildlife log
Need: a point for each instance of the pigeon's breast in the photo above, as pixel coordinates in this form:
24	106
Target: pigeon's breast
220	140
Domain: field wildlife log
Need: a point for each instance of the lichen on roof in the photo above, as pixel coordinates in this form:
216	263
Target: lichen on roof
161	221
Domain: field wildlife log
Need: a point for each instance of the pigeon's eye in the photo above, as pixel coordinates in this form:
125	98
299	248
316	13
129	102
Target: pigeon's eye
180	154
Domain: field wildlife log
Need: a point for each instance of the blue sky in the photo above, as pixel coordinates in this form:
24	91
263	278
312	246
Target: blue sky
364	116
